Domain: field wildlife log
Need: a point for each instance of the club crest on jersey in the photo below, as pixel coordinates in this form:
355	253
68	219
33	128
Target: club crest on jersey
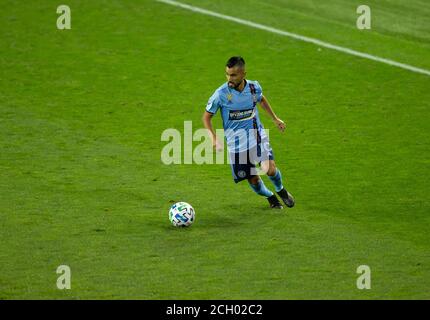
229	97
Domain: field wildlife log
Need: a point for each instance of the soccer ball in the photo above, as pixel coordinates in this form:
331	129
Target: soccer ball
181	214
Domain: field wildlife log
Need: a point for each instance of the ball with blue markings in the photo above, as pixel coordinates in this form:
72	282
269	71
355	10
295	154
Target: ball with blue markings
181	214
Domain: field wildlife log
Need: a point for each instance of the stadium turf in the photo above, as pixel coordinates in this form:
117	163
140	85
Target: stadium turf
82	183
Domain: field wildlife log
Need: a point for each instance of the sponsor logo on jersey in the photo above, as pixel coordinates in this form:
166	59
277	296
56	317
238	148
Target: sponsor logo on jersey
241	114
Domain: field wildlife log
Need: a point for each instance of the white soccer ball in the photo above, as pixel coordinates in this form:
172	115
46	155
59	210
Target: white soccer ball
181	214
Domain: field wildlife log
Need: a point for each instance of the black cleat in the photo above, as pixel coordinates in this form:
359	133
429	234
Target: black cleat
287	198
274	202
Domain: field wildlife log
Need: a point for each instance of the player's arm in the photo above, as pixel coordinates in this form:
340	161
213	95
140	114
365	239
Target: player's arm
264	103
207	122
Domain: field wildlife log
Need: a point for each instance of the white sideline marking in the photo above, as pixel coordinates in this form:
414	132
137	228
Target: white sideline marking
298	37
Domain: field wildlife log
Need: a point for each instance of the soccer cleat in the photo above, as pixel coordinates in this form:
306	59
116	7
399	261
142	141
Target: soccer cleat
287	198
274	202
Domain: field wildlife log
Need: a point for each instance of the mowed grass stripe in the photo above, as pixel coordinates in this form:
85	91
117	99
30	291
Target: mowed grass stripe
298	37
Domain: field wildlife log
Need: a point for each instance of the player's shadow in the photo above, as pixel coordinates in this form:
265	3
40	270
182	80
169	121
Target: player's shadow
222	221
234	215
229	216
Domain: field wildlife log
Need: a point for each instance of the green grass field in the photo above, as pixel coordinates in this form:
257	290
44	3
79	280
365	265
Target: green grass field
82	183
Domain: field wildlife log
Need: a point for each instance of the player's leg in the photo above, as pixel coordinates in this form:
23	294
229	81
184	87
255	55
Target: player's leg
260	188
242	168
275	177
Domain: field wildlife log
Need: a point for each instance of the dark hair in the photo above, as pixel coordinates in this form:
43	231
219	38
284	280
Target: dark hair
235	61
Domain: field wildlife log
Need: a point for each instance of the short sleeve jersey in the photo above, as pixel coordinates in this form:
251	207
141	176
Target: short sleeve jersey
239	114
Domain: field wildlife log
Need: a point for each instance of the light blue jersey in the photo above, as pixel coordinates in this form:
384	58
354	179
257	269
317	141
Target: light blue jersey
239	114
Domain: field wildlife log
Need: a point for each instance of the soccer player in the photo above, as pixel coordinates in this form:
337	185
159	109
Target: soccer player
247	141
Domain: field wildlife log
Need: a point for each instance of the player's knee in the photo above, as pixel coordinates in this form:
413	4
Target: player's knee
254	180
271	171
265	166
